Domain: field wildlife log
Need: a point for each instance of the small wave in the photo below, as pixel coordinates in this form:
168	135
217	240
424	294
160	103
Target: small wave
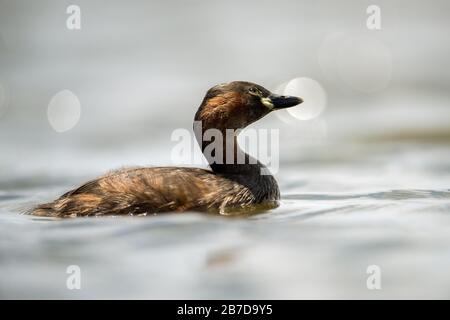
385	195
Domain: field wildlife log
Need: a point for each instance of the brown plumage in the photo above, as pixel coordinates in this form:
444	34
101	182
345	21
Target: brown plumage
229	187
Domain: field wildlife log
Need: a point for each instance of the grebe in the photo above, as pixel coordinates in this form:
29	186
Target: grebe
231	186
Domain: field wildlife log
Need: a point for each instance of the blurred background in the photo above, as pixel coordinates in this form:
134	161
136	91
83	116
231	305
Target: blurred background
365	181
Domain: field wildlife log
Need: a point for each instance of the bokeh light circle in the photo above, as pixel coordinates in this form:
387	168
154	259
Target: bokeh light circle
64	111
313	95
364	63
358	61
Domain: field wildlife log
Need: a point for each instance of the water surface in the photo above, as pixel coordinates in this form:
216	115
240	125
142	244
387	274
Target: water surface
389	207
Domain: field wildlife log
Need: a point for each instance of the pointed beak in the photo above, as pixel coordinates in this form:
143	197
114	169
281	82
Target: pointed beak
282	102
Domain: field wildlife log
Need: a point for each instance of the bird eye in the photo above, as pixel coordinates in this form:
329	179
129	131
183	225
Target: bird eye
254	91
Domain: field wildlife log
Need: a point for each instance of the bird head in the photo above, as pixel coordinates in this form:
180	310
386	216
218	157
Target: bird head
237	104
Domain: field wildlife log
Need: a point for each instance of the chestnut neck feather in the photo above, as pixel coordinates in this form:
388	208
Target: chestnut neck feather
220	118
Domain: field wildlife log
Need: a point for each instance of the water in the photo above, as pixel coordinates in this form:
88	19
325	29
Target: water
367	183
389	207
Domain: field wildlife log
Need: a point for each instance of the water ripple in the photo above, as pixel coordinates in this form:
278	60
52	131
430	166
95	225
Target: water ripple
382	195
